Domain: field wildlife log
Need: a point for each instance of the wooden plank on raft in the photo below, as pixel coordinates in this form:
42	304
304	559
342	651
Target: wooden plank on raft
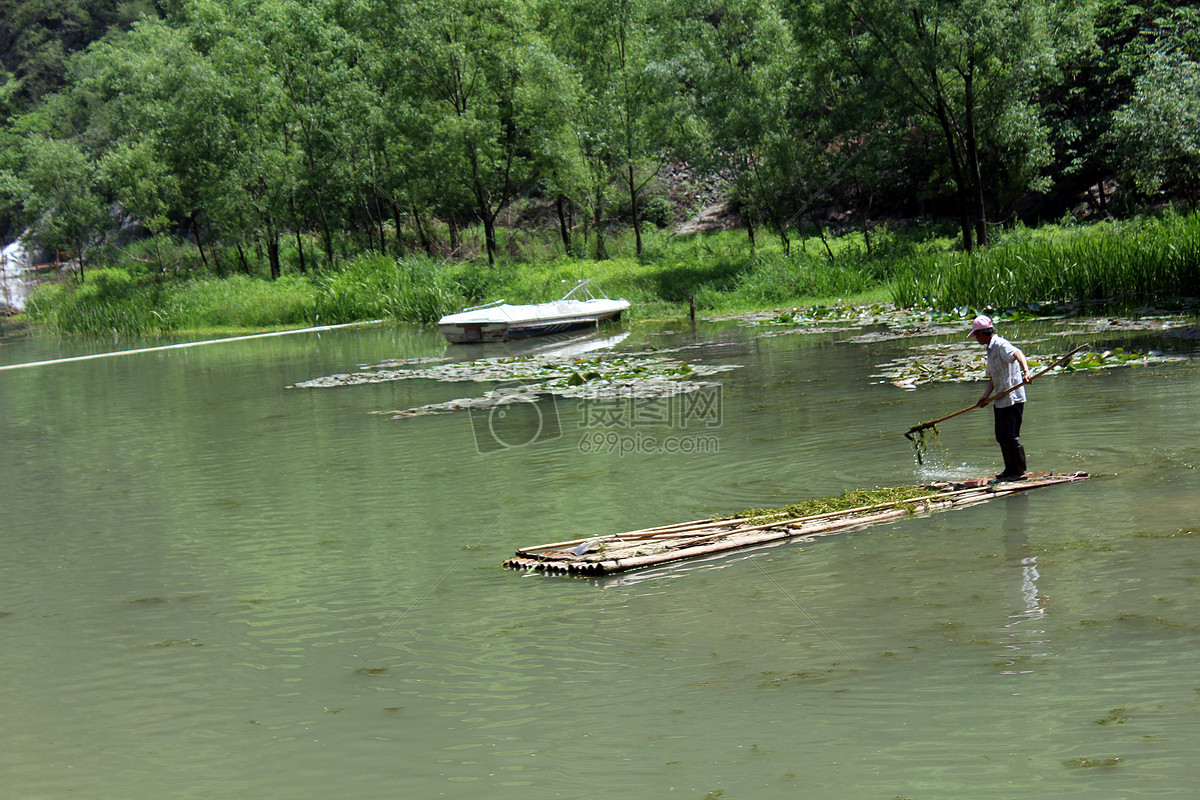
620	552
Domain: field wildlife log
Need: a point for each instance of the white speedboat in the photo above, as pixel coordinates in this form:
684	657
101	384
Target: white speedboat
501	321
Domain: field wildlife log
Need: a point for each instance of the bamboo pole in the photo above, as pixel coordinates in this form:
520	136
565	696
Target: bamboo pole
620	565
926	425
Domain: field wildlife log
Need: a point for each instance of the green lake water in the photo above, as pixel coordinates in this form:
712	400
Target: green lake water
216	586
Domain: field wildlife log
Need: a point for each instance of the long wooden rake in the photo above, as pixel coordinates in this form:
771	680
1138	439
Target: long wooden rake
927	425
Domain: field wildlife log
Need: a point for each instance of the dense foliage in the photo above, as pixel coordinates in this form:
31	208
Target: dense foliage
293	136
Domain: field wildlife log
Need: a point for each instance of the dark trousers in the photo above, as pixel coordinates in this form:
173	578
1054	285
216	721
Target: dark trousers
1008	436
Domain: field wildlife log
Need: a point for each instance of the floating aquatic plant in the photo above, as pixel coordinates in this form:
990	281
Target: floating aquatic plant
1086	763
949	363
533	369
525	379
808	676
1178	533
1108	358
1117	716
898	321
1154	322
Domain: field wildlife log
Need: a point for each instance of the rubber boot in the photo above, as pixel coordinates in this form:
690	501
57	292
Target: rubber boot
1018	451
1014	462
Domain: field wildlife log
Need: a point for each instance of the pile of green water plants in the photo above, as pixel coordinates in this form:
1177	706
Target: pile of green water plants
847	500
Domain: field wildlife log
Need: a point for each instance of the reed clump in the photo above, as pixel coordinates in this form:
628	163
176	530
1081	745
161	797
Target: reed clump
418	289
116	302
1142	261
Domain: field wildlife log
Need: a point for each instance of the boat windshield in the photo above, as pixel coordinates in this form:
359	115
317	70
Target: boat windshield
584	288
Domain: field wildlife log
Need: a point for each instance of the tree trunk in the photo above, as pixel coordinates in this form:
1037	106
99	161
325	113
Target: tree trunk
401	250
960	179
158	254
974	173
422	234
296	221
489	233
195	232
326	233
273	252
563	230
379	223
633	207
452	227
781	224
821	233
597	223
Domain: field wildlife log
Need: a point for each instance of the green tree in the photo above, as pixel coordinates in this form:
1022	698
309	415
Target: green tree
38	38
314	58
259	203
629	115
1081	104
970	69
759	130
154	93
139	181
489	95
589	172
1158	132
12	188
61	203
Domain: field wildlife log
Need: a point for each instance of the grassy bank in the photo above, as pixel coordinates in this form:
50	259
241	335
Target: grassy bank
1153	260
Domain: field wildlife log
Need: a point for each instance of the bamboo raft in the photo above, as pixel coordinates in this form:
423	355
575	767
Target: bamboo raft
620	552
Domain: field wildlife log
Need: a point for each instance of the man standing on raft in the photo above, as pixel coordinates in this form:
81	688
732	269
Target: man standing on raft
1006	367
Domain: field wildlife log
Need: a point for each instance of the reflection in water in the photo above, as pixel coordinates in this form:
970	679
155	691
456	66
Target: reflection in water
1023	641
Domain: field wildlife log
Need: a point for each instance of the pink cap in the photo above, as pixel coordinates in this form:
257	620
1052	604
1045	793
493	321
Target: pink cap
981	323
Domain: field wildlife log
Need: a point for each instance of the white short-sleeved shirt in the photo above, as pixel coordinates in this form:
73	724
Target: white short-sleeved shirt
1004	370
